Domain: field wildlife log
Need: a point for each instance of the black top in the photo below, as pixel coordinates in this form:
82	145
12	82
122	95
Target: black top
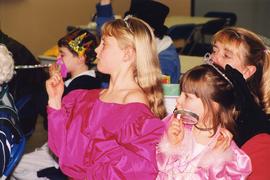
83	82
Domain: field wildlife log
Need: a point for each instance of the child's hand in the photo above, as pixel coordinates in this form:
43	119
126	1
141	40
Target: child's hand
223	141
55	89
175	131
54	68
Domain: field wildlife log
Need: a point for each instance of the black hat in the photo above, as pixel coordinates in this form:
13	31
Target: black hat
153	13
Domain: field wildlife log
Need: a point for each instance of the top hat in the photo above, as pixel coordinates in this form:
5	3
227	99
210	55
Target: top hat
152	12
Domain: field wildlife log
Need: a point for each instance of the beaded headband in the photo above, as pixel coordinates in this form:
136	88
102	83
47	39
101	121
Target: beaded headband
127	24
207	59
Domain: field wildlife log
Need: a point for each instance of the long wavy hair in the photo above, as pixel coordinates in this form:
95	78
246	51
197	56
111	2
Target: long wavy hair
250	46
135	33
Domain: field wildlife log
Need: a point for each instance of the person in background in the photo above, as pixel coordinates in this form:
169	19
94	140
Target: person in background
10	131
111	133
246	60
153	13
77	56
74	62
27	85
205	110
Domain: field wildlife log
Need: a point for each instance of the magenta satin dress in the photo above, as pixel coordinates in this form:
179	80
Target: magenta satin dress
179	162
99	140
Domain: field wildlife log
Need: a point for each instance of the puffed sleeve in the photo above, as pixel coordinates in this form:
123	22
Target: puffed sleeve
59	120
56	125
232	164
134	156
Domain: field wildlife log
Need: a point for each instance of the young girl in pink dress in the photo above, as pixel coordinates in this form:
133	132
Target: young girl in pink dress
204	110
111	133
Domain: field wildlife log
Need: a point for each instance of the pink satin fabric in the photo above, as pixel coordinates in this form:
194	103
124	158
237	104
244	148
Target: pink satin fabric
99	140
208	164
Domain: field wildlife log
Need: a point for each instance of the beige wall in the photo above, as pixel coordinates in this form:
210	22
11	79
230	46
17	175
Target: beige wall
38	24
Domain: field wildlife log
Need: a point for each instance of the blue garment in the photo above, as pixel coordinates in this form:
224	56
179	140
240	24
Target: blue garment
170	63
104	14
168	58
10	132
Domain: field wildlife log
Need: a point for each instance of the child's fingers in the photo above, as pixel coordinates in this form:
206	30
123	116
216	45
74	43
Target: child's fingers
227	135
176	125
224	140
55	79
54	68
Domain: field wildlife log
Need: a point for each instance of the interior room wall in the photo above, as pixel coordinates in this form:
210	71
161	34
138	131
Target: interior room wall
38	24
251	14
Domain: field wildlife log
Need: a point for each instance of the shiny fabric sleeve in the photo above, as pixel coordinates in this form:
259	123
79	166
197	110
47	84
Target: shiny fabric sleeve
229	165
56	129
57	120
134	155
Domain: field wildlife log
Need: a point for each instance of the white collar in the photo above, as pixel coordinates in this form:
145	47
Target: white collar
163	43
89	73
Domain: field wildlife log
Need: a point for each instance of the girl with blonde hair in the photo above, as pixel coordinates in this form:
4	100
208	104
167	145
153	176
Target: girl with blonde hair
111	133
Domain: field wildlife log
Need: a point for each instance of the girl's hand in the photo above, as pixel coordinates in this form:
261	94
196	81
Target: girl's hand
55	89
223	141
175	131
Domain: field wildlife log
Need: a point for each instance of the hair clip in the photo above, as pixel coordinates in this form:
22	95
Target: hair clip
75	44
127	24
235	33
207	59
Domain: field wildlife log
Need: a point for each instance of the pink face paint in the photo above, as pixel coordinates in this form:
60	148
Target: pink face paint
63	68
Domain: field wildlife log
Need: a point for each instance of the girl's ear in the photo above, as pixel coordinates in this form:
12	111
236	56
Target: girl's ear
129	54
249	71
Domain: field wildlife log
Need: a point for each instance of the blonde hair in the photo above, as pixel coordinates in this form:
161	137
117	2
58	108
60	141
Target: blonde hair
6	65
207	84
137	34
251	48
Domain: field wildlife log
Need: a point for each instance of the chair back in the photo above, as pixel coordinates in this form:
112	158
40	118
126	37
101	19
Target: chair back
230	17
181	31
213	26
185	33
17	151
